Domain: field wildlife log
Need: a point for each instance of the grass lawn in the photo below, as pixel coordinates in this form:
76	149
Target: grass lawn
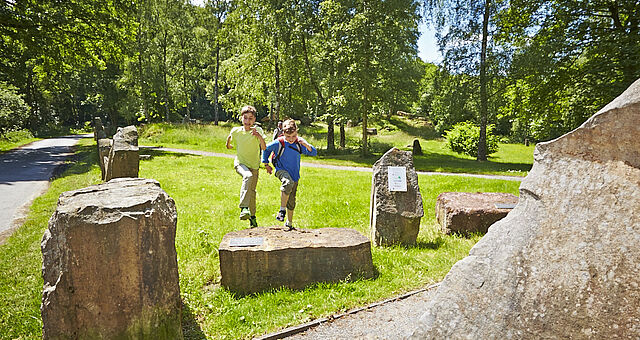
206	191
14	139
511	159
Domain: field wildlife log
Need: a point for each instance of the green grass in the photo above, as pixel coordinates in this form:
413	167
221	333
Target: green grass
205	190
511	159
14	139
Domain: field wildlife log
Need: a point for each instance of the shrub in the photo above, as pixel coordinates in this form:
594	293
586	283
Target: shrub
463	138
13	110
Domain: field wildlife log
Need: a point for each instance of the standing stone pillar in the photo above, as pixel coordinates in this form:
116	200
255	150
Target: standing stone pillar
395	213
109	264
104	149
124	156
98	129
417	149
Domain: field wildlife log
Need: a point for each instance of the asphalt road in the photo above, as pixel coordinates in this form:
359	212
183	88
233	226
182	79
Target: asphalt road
25	174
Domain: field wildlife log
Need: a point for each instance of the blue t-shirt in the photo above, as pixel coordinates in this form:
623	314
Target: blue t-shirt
290	158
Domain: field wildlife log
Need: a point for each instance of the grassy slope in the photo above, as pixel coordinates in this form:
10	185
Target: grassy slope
206	191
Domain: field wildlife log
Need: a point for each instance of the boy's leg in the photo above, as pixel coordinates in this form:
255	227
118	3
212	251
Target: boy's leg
291	204
253	183
247	179
285	192
284	197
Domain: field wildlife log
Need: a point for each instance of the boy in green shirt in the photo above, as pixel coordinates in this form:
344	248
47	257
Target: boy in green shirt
249	142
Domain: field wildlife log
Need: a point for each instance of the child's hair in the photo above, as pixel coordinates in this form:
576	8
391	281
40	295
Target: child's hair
289	126
248	109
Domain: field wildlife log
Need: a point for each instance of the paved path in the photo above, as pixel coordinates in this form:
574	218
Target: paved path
336	167
25	174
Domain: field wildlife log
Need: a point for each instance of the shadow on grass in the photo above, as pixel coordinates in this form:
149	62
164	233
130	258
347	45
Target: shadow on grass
152	153
450	163
84	157
431	245
190	328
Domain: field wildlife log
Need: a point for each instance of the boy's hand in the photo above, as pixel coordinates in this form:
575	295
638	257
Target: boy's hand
268	168
229	146
255	132
304	143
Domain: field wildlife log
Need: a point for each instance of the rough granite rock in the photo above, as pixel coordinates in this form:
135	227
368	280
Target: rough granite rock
104	149
469	212
124	157
565	263
395	215
109	264
293	259
98	129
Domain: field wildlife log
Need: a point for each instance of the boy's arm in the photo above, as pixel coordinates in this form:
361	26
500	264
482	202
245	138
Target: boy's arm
265	158
260	135
310	150
228	145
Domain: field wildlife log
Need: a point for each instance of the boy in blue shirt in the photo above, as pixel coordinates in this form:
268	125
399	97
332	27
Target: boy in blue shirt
287	150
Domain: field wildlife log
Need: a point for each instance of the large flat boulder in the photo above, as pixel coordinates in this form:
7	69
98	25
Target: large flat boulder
258	259
565	263
472	212
395	212
109	264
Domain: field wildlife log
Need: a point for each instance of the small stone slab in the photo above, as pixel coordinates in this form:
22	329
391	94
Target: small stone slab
467	212
293	259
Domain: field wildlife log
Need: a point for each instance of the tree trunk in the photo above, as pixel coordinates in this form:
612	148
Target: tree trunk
365	136
164	78
323	104
342	136
277	75
184	85
215	86
482	140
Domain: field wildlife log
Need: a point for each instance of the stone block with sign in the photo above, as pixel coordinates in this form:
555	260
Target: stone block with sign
468	212
258	259
396	203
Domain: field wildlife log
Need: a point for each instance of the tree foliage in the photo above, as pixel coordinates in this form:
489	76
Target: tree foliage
13	110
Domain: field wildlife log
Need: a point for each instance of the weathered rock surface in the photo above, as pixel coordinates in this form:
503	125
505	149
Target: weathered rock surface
98	129
104	149
293	259
124	157
109	264
565	263
468	212
395	215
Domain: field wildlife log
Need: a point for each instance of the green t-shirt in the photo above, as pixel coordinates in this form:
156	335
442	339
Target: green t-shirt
247	146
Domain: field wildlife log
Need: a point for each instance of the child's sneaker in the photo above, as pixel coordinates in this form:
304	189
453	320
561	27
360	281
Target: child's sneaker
245	213
253	222
280	215
289	226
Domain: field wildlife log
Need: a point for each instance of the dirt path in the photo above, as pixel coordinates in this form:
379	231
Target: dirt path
336	167
25	174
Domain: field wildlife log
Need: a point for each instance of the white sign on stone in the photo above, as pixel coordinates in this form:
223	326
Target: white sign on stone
397	178
246	241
